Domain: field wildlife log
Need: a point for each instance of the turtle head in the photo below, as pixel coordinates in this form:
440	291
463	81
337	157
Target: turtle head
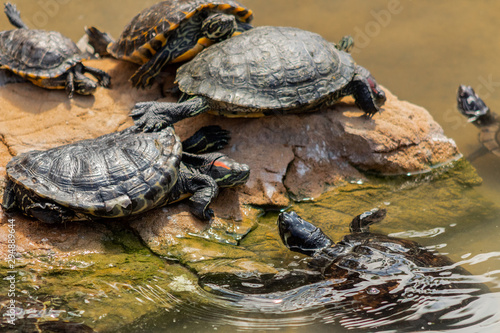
366	91
301	236
85	86
227	172
219	27
470	104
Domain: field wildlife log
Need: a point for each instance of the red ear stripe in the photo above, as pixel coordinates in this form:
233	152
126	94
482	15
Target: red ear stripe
220	164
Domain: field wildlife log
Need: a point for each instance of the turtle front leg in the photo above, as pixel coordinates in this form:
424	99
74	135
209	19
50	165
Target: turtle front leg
204	190
102	77
70	84
154	116
144	76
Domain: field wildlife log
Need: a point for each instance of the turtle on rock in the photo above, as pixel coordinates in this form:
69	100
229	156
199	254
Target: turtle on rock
122	174
171	31
265	71
46	58
476	111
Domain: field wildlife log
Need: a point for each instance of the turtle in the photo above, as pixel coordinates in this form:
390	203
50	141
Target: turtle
46	58
377	280
171	31
265	70
476	111
122	174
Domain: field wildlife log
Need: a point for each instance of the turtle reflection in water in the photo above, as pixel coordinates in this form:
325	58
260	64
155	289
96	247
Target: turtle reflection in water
476	111
366	280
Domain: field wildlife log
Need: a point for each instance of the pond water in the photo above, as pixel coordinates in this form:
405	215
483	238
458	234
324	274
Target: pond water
421	51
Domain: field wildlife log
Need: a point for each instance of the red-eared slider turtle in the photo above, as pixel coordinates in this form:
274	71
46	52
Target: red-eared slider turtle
473	107
378	281
121	174
266	70
46	58
171	31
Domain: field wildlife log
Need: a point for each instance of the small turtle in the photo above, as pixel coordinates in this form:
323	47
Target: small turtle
171	31
46	58
121	174
473	107
266	70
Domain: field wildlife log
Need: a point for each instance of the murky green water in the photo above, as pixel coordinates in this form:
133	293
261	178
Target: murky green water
421	51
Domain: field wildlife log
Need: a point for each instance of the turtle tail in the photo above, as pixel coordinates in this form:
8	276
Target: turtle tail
99	40
362	222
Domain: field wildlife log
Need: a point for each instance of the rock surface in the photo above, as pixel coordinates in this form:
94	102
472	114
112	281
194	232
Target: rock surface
298	156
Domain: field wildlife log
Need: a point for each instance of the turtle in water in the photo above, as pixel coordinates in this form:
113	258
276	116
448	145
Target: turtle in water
171	31
377	280
121	174
476	111
266	70
46	58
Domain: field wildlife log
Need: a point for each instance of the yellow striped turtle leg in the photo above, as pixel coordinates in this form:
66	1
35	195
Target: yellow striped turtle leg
153	116
206	139
191	53
144	76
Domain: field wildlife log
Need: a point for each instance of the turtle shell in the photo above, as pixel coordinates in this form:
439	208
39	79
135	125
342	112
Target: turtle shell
268	68
37	53
148	31
115	175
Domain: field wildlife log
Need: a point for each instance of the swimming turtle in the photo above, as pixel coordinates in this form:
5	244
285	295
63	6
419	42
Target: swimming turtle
46	58
473	107
121	174
377	281
266	70
171	31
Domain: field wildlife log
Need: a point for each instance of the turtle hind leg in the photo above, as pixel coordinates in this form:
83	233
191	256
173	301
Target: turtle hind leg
154	116
14	16
102	77
48	212
206	139
99	40
362	222
9	196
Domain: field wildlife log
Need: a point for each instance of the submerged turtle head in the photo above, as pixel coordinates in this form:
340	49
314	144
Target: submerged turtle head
227	172
470	104
301	236
219	27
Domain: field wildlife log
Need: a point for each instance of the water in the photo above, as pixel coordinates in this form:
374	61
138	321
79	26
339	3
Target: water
421	51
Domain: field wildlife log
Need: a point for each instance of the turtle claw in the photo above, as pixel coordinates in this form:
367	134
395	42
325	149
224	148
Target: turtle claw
105	81
146	116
